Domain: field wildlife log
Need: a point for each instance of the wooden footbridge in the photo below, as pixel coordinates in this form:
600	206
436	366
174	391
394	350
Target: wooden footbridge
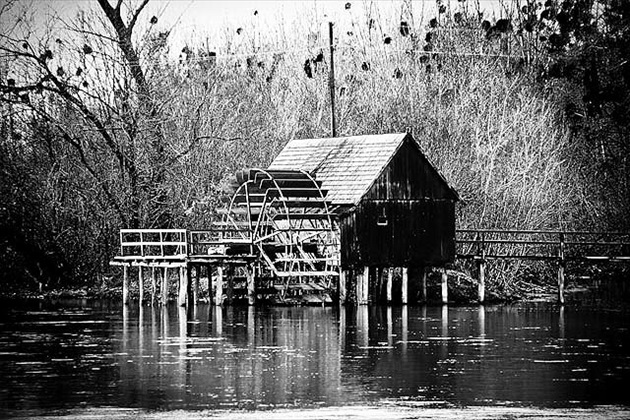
249	269
327	220
557	247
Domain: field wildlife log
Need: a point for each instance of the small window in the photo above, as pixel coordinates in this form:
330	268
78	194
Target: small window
382	218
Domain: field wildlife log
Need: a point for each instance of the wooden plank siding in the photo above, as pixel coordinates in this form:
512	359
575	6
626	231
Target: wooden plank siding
417	233
409	176
406	218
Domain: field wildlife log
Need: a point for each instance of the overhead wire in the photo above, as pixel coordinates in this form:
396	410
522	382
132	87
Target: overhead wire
337	47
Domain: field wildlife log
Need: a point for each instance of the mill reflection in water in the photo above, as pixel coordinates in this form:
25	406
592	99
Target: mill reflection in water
257	358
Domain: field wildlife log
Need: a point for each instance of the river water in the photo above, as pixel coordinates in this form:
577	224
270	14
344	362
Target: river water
65	355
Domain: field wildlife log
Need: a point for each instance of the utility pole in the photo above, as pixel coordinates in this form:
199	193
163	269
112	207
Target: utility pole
331	80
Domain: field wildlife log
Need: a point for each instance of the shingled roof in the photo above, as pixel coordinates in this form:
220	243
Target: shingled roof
347	166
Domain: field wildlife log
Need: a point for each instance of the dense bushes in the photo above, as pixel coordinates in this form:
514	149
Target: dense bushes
492	101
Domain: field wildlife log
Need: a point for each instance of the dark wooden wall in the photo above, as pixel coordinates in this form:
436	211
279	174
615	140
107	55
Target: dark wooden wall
406	218
409	176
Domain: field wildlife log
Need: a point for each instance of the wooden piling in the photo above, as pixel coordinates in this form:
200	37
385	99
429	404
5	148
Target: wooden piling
404	291
196	285
183	286
358	274
561	267
343	278
125	292
153	285
362	279
388	285
218	292
251	285
377	290
561	283
423	285
444	286
481	289
140	285
164	299
229	272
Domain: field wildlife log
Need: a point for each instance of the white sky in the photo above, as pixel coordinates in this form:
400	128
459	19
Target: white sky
214	22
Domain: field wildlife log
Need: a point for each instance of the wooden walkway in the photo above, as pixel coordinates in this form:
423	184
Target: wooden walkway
190	253
555	246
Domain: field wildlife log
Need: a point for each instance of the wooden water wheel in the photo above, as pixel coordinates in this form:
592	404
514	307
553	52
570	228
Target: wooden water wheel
283	217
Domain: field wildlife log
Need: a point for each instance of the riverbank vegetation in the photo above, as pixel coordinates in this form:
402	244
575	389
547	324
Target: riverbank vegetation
525	112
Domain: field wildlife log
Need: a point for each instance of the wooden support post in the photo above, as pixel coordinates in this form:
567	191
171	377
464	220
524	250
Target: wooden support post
229	273
164	299
362	279
183	286
125	291
561	283
140	285
423	285
218	292
153	285
366	286
481	290
404	291
377	291
196	285
444	286
343	279
388	285
251	285
561	267
357	285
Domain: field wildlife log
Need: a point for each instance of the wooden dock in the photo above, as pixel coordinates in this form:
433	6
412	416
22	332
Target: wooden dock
231	266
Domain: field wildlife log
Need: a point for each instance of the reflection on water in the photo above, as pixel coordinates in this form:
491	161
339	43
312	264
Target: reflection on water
74	355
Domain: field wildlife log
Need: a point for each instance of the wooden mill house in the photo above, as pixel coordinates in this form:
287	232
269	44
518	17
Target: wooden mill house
322	222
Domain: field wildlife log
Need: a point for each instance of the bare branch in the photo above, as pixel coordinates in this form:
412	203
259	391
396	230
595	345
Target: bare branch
77	146
96	34
132	23
194	143
108	9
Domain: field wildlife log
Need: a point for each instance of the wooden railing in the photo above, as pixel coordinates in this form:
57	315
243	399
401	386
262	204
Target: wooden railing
487	244
162	243
558	246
